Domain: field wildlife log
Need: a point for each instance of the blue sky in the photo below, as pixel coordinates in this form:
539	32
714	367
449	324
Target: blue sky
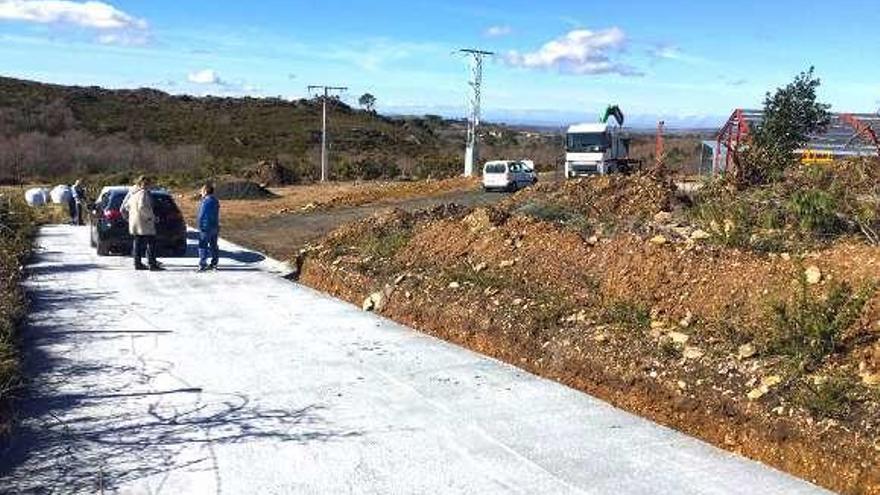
558	61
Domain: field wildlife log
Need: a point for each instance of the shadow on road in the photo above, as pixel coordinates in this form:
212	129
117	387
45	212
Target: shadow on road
91	420
62	268
240	256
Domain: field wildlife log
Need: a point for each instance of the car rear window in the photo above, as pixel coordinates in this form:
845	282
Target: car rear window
163	204
115	202
496	168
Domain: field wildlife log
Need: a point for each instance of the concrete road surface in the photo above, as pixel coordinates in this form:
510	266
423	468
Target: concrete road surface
240	382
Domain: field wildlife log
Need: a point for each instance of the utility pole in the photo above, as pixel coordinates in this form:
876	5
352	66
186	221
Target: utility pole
324	92
471	153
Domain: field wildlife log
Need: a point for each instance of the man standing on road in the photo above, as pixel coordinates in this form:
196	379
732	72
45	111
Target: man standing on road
142	224
79	201
209	228
71	205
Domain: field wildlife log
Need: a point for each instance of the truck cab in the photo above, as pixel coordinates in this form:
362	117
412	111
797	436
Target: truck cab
592	149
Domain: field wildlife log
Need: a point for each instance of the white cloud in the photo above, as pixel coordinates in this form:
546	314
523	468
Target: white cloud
665	51
669	52
204	76
124	38
497	31
91	14
580	51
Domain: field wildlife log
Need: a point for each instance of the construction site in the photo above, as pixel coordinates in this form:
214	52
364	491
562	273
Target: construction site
428	304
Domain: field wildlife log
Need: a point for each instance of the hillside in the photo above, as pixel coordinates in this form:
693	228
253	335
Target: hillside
53	132
50	130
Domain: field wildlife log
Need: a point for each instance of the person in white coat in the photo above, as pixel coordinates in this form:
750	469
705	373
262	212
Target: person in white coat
138	204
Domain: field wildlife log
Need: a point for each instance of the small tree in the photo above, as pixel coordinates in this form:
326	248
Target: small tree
367	101
791	114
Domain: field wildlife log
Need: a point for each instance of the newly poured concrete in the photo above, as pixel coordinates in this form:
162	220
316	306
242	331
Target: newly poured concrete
241	382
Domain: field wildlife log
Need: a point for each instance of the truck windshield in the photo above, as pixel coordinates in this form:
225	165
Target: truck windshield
586	142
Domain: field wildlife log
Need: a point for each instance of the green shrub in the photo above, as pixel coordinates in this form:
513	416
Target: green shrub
547	212
627	314
366	169
832	398
752	219
386	244
816	211
17	226
808	329
483	279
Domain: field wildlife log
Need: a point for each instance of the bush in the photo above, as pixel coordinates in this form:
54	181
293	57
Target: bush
627	314
752	219
438	167
808	329
386	244
811	205
367	169
832	398
547	212
17	227
791	114
816	212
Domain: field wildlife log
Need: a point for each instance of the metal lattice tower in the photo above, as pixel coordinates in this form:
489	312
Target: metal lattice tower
471	154
325	167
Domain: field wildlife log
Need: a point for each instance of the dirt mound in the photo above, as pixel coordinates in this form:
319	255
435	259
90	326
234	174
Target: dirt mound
271	173
606	196
241	189
656	319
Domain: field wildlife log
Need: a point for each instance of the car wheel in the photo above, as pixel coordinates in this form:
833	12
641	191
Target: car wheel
103	248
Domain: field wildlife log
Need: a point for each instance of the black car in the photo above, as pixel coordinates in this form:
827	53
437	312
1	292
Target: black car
109	227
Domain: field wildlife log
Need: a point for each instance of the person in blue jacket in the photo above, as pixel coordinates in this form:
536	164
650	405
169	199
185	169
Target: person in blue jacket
209	228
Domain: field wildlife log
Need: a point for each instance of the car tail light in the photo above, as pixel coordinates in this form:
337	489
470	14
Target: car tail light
111	215
508	176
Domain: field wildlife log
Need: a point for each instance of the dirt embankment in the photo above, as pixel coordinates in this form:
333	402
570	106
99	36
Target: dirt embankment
606	286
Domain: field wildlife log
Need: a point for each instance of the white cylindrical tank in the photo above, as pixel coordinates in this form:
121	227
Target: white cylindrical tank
60	194
36	196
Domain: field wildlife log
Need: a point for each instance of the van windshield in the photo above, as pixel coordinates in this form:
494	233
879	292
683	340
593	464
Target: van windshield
496	168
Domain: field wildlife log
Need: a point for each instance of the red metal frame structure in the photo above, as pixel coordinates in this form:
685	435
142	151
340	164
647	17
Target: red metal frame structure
834	142
862	129
659	149
735	132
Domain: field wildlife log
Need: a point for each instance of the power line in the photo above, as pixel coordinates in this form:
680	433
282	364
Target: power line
471	153
325	169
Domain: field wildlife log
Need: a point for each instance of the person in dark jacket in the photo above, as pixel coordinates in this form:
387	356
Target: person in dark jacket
71	205
209	229
79	200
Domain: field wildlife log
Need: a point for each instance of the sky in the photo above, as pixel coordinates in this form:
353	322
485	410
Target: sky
556	62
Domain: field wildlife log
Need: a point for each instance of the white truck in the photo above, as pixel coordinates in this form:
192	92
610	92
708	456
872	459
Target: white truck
600	148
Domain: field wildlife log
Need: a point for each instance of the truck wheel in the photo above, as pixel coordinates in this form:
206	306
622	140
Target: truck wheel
103	248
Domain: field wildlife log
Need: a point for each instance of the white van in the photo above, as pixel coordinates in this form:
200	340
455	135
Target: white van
529	167
505	175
